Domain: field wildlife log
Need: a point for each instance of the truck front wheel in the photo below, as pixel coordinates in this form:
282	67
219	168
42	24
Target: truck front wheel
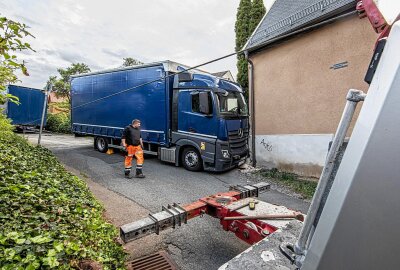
191	159
101	144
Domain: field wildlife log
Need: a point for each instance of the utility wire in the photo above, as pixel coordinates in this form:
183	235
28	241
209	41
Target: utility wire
160	79
150	82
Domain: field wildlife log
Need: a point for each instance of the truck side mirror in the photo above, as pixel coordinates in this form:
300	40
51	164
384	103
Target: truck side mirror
182	77
204	103
185	77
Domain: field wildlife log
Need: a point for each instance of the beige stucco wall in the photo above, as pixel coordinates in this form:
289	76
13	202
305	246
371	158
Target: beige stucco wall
296	92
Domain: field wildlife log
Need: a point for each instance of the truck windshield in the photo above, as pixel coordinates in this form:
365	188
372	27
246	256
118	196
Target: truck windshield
232	103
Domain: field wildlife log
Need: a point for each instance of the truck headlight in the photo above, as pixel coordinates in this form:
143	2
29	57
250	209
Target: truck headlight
225	154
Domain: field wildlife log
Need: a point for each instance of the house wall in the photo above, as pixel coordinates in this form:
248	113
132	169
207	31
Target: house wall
299	98
228	76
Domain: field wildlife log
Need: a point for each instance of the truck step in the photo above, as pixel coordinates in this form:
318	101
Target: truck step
150	152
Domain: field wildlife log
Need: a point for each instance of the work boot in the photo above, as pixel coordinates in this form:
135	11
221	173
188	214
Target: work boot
139	173
127	175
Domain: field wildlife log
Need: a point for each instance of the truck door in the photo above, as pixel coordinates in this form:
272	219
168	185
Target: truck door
194	115
197	121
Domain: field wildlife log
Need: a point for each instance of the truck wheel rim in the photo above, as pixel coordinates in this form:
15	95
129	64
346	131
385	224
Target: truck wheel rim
101	144
191	159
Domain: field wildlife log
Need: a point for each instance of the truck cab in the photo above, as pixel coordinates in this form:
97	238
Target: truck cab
210	126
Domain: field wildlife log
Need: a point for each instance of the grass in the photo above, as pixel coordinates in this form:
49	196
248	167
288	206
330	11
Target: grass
304	187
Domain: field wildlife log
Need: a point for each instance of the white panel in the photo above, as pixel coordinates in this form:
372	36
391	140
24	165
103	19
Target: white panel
302	149
359	225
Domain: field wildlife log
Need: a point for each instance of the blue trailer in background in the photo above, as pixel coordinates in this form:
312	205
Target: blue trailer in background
192	119
29	112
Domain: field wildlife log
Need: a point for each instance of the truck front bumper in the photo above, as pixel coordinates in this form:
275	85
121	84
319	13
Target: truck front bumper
223	164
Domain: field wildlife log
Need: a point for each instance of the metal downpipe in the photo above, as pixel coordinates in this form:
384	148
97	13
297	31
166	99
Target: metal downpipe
252	111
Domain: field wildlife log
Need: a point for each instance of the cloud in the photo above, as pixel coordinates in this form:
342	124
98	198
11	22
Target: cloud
71	56
114	53
102	33
26	20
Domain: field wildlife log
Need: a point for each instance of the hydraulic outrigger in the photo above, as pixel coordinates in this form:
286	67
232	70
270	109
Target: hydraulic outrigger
233	208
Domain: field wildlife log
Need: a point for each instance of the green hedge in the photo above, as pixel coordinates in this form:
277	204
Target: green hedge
49	219
59	123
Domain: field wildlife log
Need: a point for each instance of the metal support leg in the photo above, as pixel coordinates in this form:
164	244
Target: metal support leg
49	86
353	97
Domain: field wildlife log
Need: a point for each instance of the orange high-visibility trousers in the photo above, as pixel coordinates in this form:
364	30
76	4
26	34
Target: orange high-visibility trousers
136	151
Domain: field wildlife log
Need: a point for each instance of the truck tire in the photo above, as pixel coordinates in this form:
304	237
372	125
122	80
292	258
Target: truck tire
191	159
101	144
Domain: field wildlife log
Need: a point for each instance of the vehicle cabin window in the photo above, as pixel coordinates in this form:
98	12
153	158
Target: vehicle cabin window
196	102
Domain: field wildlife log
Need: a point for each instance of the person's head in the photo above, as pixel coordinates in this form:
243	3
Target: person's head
136	123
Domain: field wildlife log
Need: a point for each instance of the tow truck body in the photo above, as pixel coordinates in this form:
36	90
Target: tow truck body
354	216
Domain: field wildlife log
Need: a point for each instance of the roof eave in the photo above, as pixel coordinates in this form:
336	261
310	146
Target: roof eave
255	30
302	28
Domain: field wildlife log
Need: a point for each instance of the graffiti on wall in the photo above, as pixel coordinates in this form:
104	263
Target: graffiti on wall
267	145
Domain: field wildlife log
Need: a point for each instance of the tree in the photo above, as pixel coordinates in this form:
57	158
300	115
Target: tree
242	34
61	86
11	40
257	13
129	61
248	16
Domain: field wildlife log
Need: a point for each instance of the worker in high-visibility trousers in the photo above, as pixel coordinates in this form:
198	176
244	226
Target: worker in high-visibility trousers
133	143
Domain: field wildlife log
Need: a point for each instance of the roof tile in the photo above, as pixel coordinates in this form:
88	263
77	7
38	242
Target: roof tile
286	16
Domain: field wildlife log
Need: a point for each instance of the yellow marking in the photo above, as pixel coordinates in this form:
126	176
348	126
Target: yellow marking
203	146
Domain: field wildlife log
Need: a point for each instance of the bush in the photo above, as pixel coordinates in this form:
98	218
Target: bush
59	123
49	219
5	124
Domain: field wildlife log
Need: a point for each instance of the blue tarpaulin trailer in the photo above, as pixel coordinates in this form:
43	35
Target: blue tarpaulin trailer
194	119
29	111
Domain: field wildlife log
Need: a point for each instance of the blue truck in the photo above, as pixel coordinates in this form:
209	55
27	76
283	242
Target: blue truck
188	118
29	112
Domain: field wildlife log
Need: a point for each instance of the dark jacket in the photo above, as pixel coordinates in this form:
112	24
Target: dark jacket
132	135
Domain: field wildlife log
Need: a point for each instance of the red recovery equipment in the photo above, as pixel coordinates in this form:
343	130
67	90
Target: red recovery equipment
370	9
230	207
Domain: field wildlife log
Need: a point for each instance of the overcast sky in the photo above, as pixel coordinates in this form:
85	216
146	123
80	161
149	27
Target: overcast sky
101	33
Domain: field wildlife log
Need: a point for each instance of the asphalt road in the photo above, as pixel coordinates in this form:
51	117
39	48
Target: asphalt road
201	244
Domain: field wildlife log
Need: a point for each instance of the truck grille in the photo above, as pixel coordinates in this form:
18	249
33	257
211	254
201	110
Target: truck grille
237	143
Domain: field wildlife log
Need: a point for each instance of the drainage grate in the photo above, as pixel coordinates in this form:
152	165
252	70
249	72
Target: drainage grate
157	261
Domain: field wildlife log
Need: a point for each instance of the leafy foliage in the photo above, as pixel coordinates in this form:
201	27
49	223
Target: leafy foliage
59	122
242	23
248	16
62	105
242	31
5	125
129	61
11	40
257	13
49	217
61	86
